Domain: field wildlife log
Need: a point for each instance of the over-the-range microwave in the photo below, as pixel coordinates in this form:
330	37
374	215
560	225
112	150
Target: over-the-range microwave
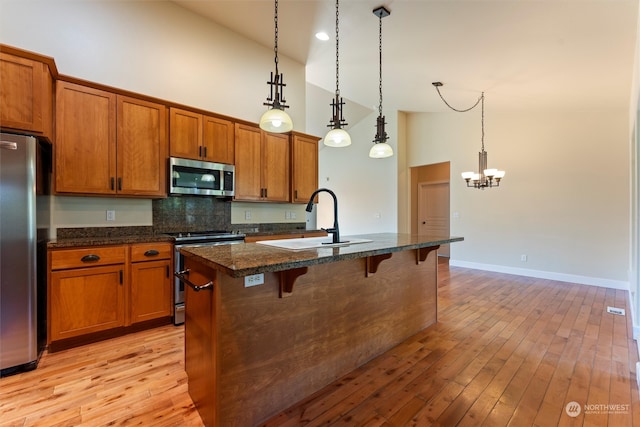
200	178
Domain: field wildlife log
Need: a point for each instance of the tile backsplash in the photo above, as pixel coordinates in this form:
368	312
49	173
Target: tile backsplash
191	213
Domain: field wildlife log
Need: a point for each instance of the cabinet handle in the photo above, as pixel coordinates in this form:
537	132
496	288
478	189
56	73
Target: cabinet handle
90	258
151	252
200	151
205	152
295	194
182	275
119	184
265	193
121	273
167	270
113	183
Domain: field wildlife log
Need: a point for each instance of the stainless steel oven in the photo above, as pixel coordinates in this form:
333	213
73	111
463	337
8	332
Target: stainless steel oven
203	238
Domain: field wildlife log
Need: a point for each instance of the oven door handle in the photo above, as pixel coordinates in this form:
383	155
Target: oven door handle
182	276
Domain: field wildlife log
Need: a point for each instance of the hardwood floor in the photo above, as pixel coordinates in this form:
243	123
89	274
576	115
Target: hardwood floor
507	351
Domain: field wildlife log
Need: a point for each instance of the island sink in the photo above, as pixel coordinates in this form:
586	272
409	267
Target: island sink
311	243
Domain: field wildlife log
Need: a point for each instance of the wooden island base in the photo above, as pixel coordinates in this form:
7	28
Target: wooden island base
252	352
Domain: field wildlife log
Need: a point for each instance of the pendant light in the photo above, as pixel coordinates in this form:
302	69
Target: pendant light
380	148
275	119
484	178
337	137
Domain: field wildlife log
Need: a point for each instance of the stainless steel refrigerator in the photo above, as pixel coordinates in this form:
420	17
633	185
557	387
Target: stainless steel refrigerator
24	229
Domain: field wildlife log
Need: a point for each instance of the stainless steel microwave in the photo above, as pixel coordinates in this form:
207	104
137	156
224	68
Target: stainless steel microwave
200	178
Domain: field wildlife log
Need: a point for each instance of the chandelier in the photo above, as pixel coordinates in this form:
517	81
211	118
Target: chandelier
485	177
276	120
380	148
337	137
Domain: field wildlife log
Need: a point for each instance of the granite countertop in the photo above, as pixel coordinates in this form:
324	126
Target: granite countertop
75	242
100	236
252	258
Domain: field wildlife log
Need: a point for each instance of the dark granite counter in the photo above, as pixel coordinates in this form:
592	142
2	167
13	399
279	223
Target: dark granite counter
101	236
253	258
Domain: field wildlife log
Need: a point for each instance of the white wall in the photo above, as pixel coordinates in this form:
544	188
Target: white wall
564	201
153	48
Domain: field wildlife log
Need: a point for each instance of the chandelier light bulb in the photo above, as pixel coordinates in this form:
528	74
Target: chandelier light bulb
337	138
381	150
276	120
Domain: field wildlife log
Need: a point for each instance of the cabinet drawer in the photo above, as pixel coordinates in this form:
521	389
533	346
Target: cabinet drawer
151	251
86	257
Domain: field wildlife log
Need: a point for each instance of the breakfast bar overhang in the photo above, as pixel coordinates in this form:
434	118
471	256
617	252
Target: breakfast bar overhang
253	349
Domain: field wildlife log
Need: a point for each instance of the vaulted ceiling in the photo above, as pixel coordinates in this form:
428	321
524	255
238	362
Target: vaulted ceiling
545	54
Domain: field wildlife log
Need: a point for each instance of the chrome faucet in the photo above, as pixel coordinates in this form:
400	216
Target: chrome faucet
335	230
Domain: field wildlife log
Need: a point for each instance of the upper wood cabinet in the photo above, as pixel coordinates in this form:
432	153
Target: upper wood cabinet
26	95
200	137
262	165
108	144
304	167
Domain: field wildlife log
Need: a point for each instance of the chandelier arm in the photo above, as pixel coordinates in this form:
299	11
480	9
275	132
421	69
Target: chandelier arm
437	86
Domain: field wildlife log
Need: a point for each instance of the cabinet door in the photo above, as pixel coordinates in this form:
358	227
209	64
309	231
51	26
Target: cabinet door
151	290
86	300
304	167
275	167
185	130
248	185
85	150
25	103
218	140
141	147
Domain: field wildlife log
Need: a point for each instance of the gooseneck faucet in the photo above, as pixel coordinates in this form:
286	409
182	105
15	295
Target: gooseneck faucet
335	230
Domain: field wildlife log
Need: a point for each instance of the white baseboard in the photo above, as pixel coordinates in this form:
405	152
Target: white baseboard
561	277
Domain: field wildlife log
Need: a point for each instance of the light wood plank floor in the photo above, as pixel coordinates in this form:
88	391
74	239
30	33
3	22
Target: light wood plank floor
507	351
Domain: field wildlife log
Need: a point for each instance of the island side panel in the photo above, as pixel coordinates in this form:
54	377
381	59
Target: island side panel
275	351
200	341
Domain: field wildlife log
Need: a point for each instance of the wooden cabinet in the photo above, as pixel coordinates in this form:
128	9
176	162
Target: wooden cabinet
26	95
106	288
304	167
262	165
200	137
86	291
151	281
108	144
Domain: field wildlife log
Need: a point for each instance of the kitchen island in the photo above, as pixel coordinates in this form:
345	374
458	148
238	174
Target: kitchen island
266	327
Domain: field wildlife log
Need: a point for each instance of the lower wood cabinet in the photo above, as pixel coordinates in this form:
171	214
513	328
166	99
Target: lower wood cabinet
104	289
151	281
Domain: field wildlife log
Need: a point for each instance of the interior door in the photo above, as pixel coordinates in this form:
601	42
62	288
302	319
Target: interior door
433	211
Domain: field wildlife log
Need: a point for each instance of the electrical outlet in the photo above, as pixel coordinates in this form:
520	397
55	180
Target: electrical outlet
523	258
287	215
615	310
111	215
293	215
247	214
253	280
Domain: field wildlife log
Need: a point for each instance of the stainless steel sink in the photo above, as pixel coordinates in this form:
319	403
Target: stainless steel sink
311	243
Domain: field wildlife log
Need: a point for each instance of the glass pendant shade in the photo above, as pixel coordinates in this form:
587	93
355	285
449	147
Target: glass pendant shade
276	121
337	138
380	151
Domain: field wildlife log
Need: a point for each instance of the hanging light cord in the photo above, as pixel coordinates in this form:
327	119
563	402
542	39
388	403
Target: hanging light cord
480	100
337	51
380	64
275	43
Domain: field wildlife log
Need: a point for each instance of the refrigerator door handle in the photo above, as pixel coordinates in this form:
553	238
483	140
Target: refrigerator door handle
8	145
